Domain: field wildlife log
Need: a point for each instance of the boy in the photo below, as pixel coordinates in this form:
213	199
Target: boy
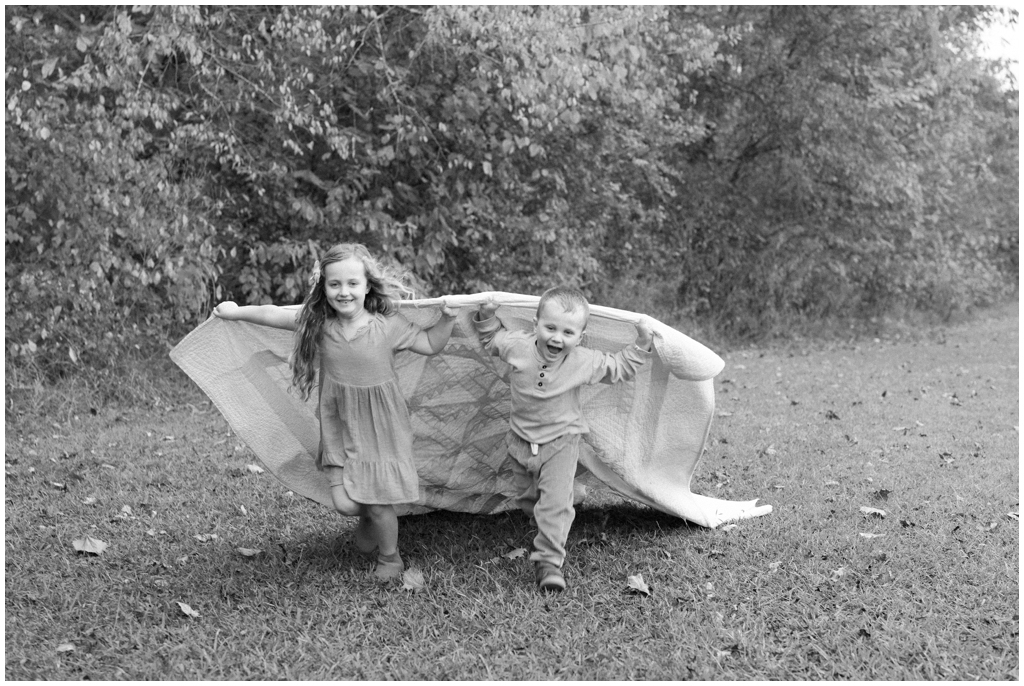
548	366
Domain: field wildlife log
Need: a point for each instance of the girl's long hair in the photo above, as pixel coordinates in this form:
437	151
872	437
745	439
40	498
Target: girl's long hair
386	287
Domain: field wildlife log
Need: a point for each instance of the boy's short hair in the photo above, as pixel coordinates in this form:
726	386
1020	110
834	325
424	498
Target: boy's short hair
571	300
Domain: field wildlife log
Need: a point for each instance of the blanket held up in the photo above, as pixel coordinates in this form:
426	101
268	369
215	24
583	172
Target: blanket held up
646	439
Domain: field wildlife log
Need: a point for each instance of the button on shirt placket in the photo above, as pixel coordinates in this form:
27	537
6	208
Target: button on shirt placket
534	448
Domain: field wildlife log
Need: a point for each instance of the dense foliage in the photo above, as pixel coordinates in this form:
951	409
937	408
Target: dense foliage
736	165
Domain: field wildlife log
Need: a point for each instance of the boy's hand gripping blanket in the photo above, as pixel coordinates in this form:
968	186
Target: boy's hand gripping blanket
646	435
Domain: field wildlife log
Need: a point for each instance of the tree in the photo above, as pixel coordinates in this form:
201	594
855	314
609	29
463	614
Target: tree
815	186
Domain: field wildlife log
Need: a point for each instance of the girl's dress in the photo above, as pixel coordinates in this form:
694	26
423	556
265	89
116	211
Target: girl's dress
364	421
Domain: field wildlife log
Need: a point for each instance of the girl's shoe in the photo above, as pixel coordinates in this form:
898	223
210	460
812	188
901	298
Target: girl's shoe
549	577
364	540
389	566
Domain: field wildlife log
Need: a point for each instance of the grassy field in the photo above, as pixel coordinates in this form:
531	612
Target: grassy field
922	428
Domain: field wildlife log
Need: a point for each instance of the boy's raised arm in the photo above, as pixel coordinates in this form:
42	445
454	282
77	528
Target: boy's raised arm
487	325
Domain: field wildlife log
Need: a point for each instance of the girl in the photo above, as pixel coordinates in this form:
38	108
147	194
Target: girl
351	320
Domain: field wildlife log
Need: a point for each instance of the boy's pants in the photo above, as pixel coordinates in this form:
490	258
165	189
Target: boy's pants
545	485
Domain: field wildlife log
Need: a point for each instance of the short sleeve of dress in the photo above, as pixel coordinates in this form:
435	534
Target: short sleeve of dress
401	332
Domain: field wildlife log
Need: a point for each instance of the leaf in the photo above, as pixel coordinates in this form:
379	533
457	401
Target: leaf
412	580
185	609
515	554
872	511
728	527
838	573
1013	515
203	538
636	582
872	535
93	546
249	552
89	501
65	647
254	468
48	66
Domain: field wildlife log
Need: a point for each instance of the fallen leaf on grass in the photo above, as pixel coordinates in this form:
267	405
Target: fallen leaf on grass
515	554
203	538
872	535
869	511
412	580
65	647
89	501
185	609
636	583
249	552
1013	515
728	527
723	413
93	546
838	573
254	468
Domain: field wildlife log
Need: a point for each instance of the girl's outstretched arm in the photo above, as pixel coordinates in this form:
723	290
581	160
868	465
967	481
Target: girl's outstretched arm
265	315
432	341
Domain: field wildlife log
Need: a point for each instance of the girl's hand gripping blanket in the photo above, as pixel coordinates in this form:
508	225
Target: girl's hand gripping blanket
646	435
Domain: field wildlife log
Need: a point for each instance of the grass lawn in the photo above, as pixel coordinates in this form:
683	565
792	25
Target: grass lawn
923	429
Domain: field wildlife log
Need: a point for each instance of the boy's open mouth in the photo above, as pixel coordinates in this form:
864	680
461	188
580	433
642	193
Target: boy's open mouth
553	350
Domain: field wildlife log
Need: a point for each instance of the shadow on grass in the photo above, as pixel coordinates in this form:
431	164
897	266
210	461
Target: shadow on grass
463	538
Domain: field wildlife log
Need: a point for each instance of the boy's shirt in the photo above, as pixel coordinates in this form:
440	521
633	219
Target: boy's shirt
546	396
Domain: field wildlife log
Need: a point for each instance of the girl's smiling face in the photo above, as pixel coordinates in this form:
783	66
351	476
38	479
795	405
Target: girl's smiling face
345	287
558	330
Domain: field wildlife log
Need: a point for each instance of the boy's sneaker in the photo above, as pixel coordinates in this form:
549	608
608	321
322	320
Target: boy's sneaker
549	577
